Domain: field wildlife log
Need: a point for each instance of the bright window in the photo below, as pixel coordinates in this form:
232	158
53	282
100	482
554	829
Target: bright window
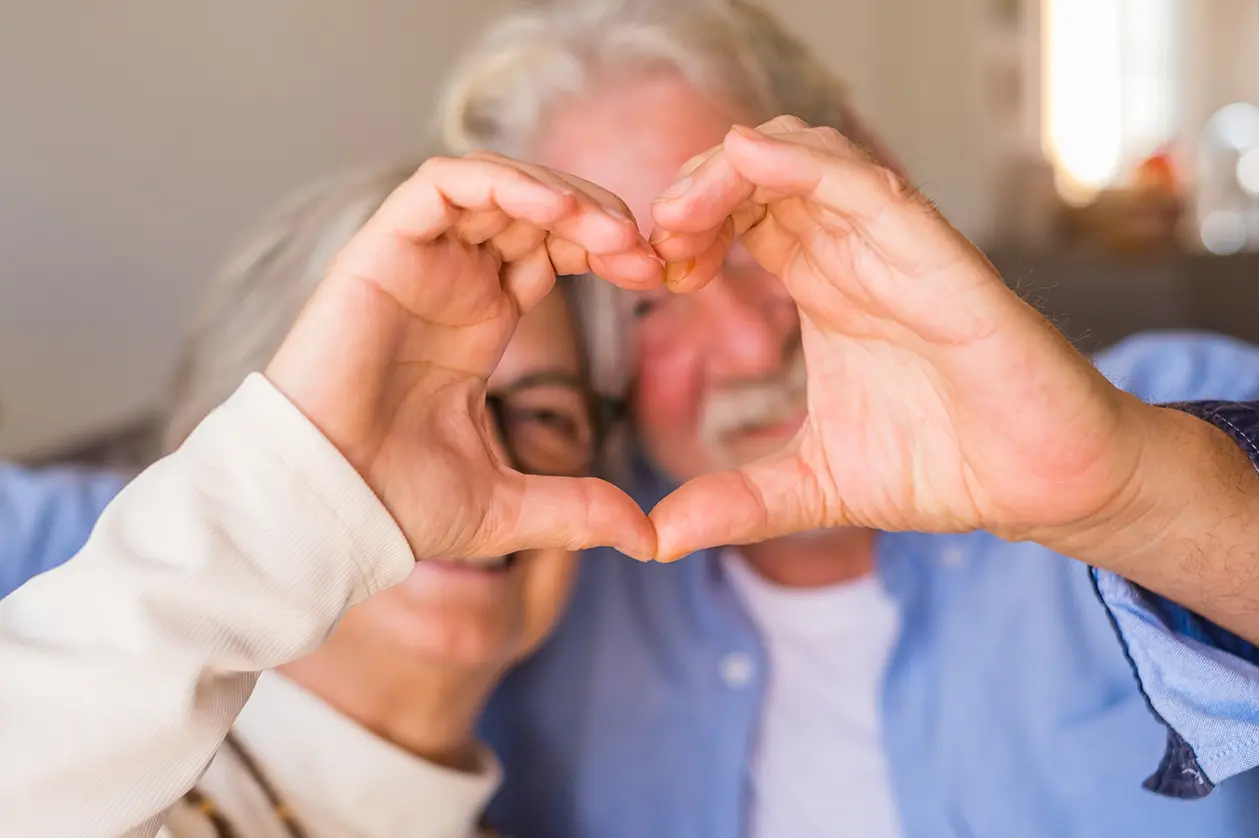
1110	86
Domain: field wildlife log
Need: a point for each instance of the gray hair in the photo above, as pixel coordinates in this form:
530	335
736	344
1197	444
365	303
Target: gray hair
498	96
255	298
535	55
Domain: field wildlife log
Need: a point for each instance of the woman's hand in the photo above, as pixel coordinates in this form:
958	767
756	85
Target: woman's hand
391	357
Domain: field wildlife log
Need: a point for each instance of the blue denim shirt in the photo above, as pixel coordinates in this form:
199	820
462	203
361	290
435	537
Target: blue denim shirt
46	516
1010	706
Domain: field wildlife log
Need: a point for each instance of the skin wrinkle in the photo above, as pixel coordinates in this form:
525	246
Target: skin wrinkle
839	507
1132	510
1122	504
1078	464
916	476
971	491
454	446
375	286
481	228
968	481
860	418
871	299
971	480
585	489
834	511
491	194
757	496
875	243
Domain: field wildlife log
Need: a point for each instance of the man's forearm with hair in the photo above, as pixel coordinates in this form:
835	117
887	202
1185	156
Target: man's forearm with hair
1188	527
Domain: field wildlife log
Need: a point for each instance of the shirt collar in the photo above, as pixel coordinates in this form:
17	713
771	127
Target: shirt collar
329	769
805	612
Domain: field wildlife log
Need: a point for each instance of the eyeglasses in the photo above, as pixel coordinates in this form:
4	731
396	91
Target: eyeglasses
551	423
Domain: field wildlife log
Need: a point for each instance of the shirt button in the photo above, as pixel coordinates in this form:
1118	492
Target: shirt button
953	556
737	670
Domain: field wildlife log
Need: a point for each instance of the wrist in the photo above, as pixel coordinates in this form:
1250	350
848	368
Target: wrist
1186	479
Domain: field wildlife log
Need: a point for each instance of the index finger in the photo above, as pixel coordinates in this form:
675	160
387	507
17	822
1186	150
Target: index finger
430	203
833	175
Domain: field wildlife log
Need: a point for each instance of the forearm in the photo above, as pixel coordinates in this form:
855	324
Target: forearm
1188	529
124	668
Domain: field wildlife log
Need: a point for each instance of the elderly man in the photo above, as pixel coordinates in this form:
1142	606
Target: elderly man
858	679
936	401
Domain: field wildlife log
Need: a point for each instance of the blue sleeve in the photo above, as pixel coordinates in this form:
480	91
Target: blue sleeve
46	516
1199	679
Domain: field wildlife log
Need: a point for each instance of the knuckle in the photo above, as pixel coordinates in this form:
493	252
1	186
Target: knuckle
830	136
788	122
436	163
695	162
904	192
896	185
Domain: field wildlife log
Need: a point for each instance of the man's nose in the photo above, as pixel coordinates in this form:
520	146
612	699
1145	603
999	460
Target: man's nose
745	322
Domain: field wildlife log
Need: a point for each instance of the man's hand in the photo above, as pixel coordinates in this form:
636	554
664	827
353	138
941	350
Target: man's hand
938	401
391	357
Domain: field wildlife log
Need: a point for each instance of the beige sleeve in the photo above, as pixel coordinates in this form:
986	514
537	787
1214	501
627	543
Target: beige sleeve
121	671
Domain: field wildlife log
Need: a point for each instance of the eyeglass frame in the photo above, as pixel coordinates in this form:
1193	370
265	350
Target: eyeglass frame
604	412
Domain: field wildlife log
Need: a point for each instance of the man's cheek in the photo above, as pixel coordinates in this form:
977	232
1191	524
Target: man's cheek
667	397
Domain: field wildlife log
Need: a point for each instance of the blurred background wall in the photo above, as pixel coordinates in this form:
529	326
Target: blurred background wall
137	137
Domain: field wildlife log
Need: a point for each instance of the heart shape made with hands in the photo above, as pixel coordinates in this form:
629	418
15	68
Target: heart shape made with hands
937	400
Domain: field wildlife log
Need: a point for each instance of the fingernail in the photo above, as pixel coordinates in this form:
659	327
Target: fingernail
618	213
635	554
659	235
675	191
675	272
746	133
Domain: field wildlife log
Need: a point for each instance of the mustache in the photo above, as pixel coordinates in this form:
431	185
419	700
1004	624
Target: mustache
755	403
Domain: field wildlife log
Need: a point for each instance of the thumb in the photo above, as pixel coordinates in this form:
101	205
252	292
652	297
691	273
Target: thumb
776	496
573	513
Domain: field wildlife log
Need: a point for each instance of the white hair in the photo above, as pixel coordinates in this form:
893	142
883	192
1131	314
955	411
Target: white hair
253	301
498	97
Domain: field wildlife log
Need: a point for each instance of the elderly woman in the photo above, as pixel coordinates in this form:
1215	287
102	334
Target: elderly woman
371	734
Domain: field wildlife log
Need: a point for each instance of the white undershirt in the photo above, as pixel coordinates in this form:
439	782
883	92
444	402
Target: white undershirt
818	767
